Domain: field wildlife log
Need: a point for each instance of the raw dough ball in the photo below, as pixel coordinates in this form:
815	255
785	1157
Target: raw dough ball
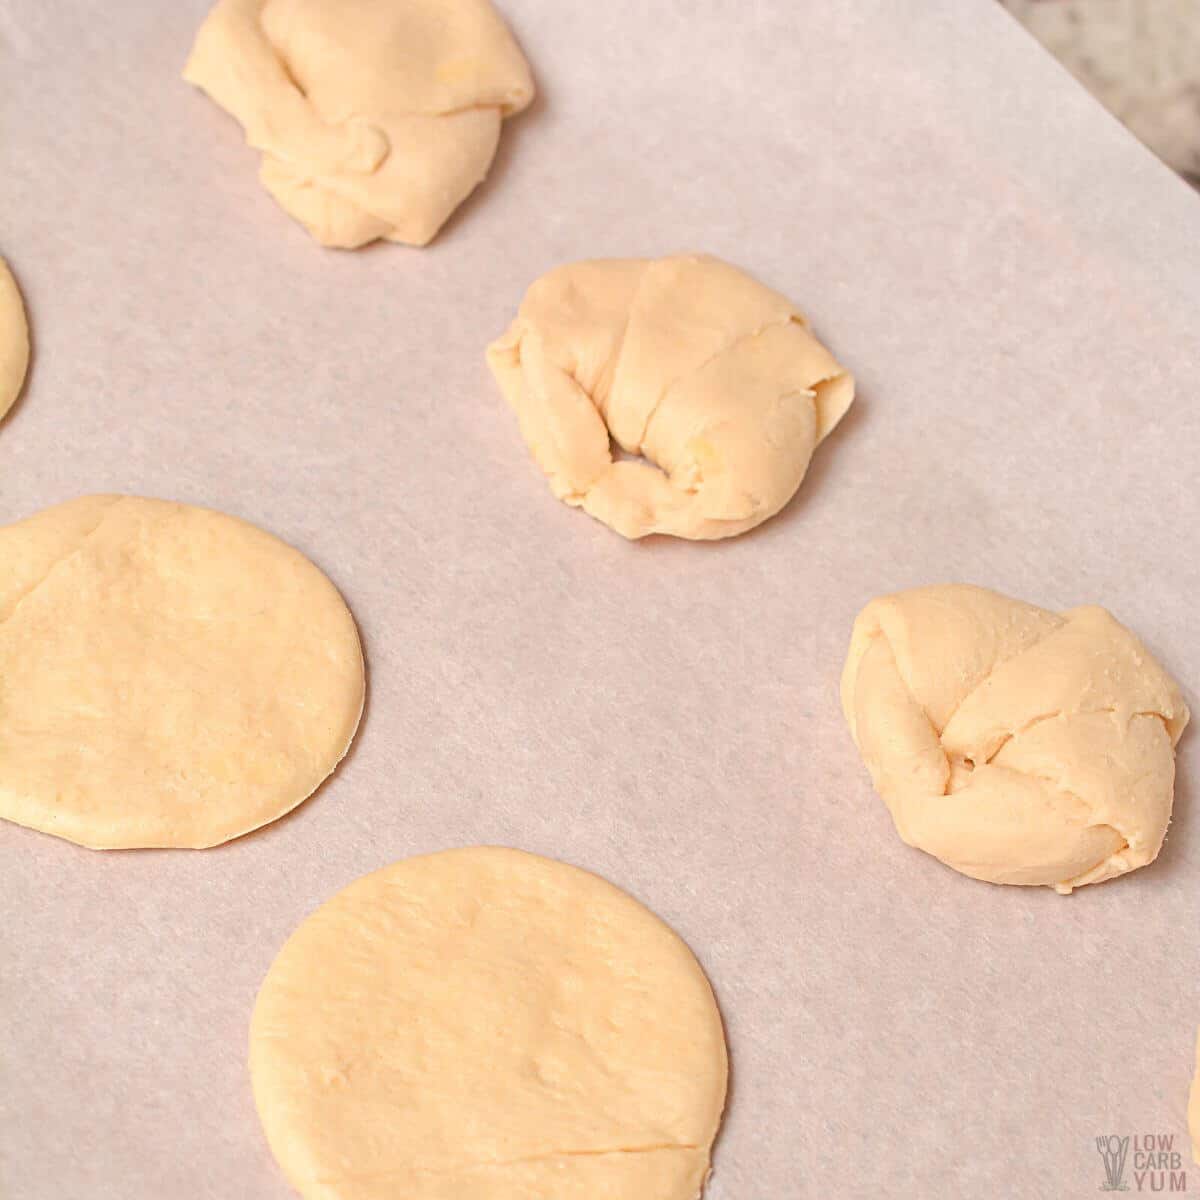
14	340
376	118
714	379
485	1024
1016	745
169	676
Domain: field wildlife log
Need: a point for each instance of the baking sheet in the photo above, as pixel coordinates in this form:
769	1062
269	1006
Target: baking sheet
1016	284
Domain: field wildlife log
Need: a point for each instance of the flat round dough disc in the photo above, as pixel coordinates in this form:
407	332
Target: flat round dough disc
14	340
488	1024
169	676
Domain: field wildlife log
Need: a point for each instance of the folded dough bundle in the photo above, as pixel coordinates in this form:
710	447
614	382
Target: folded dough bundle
376	118
1014	744
712	378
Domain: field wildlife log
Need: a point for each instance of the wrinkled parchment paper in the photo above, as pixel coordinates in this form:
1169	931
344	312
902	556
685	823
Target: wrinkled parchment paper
1015	283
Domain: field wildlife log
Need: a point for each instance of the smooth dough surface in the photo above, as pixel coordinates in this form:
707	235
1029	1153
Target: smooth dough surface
1016	745
375	118
486	1024
712	379
14	340
169	676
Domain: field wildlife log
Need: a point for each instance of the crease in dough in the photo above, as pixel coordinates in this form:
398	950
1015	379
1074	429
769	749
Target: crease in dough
501	1165
14	340
375	118
486	1022
1015	744
712	382
63	531
169	676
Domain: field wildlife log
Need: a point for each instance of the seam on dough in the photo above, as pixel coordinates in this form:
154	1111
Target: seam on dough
619	357
878	633
309	175
653	1148
1091	823
1079	712
572	497
578	497
780	401
570	374
79	545
674	383
1087	871
640	450
1056	784
489	1164
1166	722
286	67
998	663
1074	880
1014	733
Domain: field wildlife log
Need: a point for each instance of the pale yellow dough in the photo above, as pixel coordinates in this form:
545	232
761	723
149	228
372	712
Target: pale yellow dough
1015	744
14	340
169	676
716	381
485	1024
375	118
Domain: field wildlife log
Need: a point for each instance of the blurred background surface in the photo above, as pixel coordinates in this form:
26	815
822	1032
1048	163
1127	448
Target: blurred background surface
1139	58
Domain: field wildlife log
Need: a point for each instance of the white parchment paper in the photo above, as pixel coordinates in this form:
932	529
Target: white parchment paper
1015	283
